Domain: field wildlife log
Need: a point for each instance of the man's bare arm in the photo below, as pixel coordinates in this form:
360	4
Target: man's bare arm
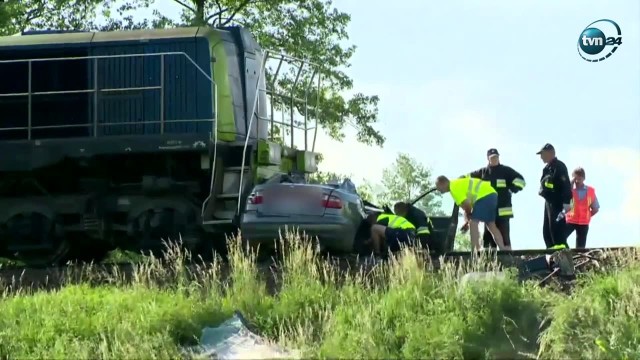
595	206
466	206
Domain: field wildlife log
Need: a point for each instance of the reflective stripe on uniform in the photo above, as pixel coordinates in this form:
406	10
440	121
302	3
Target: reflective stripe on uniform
501	183
423	230
558	247
518	182
472	191
505	211
548	185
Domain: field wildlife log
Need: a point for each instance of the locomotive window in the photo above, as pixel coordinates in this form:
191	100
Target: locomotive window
60	75
13	109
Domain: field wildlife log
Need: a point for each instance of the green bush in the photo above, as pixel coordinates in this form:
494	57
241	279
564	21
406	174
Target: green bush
601	320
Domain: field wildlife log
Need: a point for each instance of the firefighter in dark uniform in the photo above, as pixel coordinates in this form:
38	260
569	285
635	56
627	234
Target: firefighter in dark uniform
419	219
555	188
505	181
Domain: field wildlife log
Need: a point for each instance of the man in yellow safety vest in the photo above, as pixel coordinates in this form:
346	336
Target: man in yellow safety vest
391	230
419	219
479	200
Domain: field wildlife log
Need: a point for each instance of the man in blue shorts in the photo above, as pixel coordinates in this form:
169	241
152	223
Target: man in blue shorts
391	230
479	200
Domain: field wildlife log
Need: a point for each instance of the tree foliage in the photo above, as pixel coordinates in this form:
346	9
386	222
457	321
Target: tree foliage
20	15
365	190
325	177
405	180
306	29
462	242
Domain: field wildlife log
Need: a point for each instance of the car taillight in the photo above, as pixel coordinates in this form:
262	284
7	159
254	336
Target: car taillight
255	198
331	202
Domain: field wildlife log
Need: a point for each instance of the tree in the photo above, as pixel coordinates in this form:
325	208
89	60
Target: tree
405	180
365	190
462	242
21	15
6	15
306	29
325	177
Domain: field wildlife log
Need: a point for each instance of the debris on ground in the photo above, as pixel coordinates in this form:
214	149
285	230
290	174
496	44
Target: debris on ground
481	276
559	268
233	340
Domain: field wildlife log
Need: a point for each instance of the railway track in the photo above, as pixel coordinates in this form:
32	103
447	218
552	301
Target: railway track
47	278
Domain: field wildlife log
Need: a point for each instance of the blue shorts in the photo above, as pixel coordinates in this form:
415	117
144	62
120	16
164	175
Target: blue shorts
395	237
485	209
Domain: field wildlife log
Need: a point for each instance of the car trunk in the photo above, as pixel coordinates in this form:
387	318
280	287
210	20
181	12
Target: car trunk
292	200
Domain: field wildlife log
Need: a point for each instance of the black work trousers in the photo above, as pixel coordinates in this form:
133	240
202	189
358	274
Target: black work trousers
581	234
554	232
503	225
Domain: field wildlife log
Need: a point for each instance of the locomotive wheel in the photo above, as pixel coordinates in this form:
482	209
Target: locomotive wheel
85	249
35	239
155	227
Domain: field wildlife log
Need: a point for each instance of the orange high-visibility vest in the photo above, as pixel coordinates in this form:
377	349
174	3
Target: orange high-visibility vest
580	213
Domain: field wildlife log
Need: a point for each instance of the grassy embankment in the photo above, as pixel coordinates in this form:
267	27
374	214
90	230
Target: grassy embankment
408	313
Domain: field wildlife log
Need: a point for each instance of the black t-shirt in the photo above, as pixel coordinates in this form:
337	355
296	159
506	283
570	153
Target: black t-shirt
417	217
556	173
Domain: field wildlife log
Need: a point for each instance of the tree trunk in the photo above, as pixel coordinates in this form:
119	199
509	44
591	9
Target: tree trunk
199	18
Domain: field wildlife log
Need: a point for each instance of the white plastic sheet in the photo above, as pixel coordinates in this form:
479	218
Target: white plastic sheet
482	276
233	340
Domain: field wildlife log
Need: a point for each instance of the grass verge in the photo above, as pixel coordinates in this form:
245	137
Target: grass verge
398	310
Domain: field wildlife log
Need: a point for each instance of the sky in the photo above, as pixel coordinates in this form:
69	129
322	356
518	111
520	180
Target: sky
456	78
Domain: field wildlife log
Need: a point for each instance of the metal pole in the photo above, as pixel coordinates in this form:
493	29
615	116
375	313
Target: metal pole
283	128
95	97
293	103
162	94
29	103
272	119
306	109
262	70
306	128
315	127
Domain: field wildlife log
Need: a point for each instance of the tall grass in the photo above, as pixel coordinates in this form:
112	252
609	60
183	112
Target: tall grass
395	310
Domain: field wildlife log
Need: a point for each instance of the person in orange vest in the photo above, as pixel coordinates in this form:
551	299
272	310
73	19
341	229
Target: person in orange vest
585	205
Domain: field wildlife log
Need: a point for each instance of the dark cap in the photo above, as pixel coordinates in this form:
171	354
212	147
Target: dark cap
546	147
492	152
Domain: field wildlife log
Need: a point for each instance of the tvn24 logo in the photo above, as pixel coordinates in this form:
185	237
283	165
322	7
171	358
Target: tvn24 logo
594	45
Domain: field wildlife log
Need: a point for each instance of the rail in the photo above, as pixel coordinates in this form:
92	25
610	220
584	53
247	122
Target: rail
298	67
96	91
272	93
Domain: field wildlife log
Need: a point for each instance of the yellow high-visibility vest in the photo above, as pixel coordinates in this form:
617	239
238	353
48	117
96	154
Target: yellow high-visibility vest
396	222
470	189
